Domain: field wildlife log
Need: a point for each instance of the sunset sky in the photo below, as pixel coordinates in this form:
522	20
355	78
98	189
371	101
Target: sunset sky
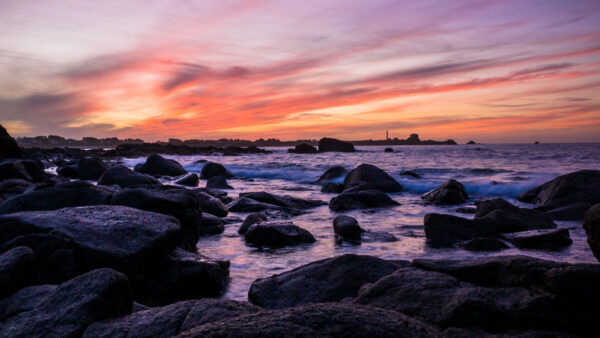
492	71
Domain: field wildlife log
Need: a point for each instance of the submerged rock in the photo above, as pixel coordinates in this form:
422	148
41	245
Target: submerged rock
450	192
124	177
591	224
540	239
157	165
330	144
212	169
347	227
410	173
327	280
361	200
333	188
261	201
332	173
189	180
277	234
375	177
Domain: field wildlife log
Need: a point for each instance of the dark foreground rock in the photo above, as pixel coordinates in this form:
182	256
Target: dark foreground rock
332	173
157	165
211	205
318	320
189	180
217	182
277	234
25	299
28	170
8	146
332	188
376	179
13	187
260	201
68	171
361	200
212	169
591	224
483	244
540	239
303	148
511	218
67	310
331	144
16	269
90	168
446	230
570	189
450	192
347	227
328	280
124	177
171	320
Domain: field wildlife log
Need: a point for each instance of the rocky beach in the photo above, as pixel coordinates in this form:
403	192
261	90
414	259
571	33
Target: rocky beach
151	240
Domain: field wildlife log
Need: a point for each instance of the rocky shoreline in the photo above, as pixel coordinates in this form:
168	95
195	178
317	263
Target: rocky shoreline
103	250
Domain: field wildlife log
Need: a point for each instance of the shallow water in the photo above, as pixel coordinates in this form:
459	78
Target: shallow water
487	171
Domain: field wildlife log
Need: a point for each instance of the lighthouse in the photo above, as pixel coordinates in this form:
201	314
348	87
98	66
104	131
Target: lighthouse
387	136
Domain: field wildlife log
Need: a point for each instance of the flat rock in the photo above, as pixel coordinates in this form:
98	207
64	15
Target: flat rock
16	269
331	144
370	174
124	177
540	239
449	192
361	200
446	230
591	224
277	234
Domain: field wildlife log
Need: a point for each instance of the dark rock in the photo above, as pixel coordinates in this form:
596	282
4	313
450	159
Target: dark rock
540	239
465	210
179	276
91	168
231	220
16	269
212	205
67	310
212	169
190	180
8	146
277	234
303	148
124	177
574	281
332	173
283	201
450	192
318	320
157	165
361	200
576	187
410	173
327	280
62	195
118	237
347	227
330	144
591	224
370	174
210	225
170	320
483	244
251	219
511	218
69	171
244	204
331	187
570	212
217	182
388	150
28	170
25	299
13	187
445	230
371	236
35	169
471	142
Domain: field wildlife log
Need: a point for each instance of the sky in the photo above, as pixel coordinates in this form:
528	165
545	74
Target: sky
489	70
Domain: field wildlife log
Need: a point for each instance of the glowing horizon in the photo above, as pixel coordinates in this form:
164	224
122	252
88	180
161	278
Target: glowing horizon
491	71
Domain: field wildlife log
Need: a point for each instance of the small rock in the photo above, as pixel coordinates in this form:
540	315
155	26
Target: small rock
189	180
445	230
69	171
388	150
218	182
483	244
347	227
450	192
210	225
277	234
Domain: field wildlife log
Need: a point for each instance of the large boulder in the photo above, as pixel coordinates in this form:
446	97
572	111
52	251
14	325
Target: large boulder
170	320
331	144
16	269
157	165
8	146
511	218
318	320
68	171
591	224
376	179
212	169
62	195
361	200
118	237
28	170
210	225
217	182
327	280
347	227
303	148
13	187
211	205
90	168
277	234
189	180
332	173
573	188
25	299
552	239
446	230
67	310
450	192
124	177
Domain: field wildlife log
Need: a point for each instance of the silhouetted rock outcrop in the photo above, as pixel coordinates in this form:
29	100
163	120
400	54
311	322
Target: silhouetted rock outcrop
212	169
303	148
450	192
157	165
8	146
331	144
376	179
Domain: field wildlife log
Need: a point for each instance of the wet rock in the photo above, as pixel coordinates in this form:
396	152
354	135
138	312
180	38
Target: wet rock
69	171
446	230
28	170
67	310
212	169
327	280
573	188
591	224
410	173
8	146
388	150
90	168
540	239
181	275
13	187
283	201
330	144
318	320
347	227
231	220
25	299
251	219
450	192
370	174
210	225
244	204
124	177
16	269
332	173
577	281
371	236
170	320
62	195
361	200
483	244
303	148
211	205
277	234
331	187
511	218
465	210
118	237
569	213
189	180
218	182
157	165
